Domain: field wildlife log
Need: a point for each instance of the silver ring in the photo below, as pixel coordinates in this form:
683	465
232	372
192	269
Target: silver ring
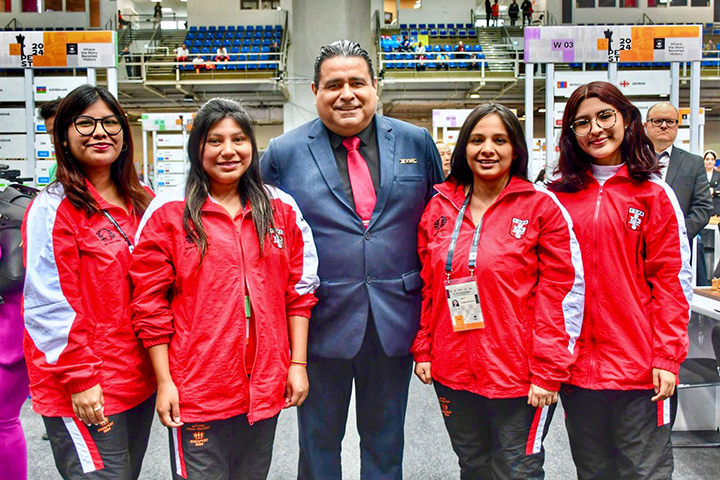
98	408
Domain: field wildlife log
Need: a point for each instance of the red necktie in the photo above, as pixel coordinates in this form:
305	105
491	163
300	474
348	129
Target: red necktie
360	180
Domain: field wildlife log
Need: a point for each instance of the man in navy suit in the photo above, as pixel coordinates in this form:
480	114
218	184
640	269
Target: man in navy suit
362	182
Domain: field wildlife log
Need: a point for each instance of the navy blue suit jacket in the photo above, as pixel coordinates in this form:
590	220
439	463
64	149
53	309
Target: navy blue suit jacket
360	270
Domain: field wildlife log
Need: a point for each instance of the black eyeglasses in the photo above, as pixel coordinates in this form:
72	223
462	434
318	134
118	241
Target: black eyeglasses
659	121
605	120
86	125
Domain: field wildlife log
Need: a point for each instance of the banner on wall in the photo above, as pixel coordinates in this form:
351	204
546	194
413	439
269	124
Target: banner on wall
613	44
630	82
161	122
87	49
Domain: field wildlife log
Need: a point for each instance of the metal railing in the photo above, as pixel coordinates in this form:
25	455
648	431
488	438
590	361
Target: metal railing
150	65
504	61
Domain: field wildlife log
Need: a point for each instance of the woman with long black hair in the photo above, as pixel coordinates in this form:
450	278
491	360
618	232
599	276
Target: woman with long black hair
224	274
637	267
90	377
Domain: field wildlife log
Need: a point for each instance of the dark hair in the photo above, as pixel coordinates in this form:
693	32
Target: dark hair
197	188
636	148
461	172
70	174
50	108
341	48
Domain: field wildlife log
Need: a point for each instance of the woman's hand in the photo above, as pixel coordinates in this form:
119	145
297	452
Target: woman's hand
167	404
423	372
88	405
664	383
296	390
539	397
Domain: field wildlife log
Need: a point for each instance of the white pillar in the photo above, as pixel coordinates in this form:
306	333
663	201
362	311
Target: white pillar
145	160
529	118
695	107
550	162
675	84
154	160
612	72
112	80
91	76
30	123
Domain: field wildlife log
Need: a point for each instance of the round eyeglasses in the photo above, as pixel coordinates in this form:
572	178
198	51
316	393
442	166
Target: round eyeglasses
605	120
86	125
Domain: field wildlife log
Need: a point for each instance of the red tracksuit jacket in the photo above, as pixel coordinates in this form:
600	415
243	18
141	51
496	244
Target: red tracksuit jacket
200	309
76	306
531	289
637	267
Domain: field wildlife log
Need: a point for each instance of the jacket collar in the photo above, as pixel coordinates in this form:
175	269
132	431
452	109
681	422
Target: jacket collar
622	173
455	192
104	204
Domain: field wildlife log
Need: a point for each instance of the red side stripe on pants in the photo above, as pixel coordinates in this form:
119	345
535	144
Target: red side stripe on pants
663	412
534	441
89	445
179	457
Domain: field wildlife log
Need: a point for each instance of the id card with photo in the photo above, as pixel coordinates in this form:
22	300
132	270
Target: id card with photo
464	303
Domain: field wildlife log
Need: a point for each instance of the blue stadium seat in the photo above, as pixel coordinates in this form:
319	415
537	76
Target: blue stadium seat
477	48
233	58
278	27
235	50
422	26
194	29
433	33
257	42
403	26
190	36
205	50
240	28
443	33
247	42
462	34
267	42
200	36
212	28
472	33
242	58
413	26
227	43
197	43
447	48
221	28
413	33
423	32
432	25
468	26
207	43
450	25
237	42
195	50
231	28
452	33
436	48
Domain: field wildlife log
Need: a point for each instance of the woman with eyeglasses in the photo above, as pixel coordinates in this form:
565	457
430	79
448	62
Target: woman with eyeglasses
637	269
90	377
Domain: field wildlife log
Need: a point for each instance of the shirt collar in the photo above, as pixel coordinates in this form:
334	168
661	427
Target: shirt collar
668	150
366	136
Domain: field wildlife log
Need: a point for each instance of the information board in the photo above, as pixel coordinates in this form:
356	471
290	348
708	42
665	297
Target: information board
613	44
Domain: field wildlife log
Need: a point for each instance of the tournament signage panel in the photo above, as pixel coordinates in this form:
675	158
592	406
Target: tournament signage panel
12	89
90	49
13	146
613	44
630	82
51	88
12	120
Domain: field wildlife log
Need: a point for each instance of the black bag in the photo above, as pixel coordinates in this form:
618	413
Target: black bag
14	200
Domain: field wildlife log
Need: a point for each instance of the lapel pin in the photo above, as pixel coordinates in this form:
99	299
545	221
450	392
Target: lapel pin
408	160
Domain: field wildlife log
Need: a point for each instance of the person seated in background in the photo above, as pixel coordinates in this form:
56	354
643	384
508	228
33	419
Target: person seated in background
198	63
442	59
405	45
221	55
420	50
182	54
709	46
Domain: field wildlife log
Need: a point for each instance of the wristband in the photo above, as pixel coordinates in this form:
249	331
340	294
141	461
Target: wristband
302	364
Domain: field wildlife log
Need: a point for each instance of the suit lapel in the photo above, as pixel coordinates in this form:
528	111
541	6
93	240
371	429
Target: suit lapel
321	150
674	166
386	151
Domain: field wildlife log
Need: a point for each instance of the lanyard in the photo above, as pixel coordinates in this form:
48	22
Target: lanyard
120	230
456	233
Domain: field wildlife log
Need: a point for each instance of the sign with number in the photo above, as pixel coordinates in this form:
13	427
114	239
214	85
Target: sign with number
95	49
613	44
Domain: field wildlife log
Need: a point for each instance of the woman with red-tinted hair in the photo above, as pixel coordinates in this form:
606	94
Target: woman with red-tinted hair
637	305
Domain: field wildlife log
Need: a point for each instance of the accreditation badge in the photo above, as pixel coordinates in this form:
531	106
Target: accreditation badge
464	303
